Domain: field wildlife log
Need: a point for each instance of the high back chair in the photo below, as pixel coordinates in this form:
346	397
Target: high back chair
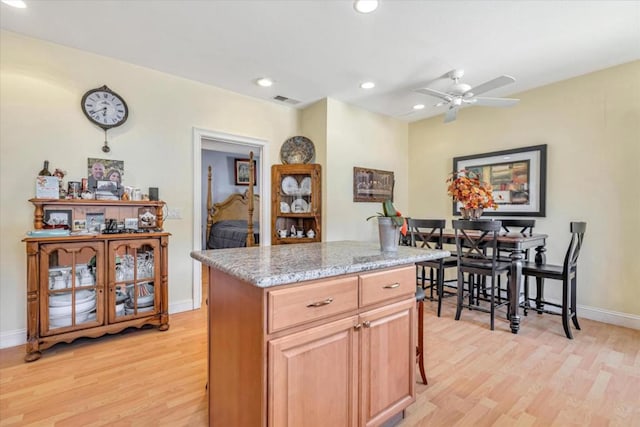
567	273
524	227
427	234
477	254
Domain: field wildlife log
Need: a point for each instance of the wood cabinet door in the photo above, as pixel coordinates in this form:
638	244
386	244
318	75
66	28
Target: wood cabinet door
313	378
387	366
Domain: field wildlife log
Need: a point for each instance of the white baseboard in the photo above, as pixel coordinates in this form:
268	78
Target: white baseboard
19	336
611	317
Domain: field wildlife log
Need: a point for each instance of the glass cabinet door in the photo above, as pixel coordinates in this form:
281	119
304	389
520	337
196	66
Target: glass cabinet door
133	276
72	285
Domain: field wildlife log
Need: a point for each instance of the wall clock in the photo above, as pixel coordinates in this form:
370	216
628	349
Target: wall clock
104	108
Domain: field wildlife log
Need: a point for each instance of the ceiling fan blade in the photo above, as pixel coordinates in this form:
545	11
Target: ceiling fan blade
491	84
494	102
436	93
451	115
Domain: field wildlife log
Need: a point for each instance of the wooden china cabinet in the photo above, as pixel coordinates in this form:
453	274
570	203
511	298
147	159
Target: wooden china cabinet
296	204
88	285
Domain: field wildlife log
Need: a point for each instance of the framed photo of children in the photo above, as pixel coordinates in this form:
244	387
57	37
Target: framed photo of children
517	178
242	172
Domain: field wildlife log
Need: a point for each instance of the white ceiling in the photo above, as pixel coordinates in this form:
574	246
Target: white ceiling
315	49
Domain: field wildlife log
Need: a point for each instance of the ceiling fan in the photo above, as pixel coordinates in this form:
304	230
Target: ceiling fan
462	95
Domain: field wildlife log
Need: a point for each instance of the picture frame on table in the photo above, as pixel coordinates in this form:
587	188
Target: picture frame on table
147	218
372	185
79	225
107	190
242	168
58	218
94	221
518	178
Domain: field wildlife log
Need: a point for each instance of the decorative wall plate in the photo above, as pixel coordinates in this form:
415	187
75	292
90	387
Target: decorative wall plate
296	150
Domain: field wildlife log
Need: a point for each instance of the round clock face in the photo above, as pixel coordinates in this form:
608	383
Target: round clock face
104	107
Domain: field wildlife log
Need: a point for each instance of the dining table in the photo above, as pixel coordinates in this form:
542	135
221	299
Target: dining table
517	244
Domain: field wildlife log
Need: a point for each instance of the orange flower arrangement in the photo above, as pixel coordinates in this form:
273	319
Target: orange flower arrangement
466	188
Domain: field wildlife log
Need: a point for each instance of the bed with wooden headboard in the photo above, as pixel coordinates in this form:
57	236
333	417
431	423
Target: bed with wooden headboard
233	222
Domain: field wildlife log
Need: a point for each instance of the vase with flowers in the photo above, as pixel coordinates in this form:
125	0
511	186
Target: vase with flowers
390	224
475	196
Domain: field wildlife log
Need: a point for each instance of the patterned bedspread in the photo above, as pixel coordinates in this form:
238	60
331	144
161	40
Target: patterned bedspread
231	234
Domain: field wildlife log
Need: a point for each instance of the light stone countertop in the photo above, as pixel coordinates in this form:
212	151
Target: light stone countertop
265	266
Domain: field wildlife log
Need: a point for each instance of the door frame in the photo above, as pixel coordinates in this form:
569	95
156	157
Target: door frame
202	139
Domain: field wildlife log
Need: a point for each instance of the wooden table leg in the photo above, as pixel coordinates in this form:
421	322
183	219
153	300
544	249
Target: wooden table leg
514	288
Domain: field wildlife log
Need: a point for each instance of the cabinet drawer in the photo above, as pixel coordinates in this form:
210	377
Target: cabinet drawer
384	285
293	306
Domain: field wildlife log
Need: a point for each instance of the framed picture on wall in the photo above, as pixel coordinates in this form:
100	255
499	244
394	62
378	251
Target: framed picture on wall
242	172
517	178
372	185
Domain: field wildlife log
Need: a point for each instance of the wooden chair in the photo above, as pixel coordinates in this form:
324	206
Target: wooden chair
567	273
427	233
477	254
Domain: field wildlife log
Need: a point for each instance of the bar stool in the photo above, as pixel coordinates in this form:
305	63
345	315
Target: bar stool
476	249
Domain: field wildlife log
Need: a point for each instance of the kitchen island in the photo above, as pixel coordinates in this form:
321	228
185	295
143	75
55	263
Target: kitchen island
311	334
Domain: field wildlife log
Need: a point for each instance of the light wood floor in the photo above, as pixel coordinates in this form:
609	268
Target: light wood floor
476	377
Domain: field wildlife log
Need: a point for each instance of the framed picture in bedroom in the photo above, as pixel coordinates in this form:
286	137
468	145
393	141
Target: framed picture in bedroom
242	172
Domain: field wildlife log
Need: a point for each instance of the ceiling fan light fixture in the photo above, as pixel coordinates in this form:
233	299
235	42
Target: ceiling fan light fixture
365	6
20	4
367	85
264	82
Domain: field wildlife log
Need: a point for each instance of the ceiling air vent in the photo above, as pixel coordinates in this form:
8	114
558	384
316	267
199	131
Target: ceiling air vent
286	100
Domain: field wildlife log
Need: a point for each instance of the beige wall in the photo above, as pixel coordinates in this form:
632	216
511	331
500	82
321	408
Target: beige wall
41	85
591	126
313	125
359	138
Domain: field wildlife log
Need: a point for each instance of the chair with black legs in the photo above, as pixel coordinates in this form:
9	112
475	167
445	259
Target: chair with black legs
522	226
476	249
427	234
567	273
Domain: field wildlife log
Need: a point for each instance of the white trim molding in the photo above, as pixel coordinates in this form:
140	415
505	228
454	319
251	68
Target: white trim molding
207	139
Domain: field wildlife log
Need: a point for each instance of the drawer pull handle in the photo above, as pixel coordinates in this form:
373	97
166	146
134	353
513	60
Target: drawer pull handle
366	324
358	326
321	303
395	285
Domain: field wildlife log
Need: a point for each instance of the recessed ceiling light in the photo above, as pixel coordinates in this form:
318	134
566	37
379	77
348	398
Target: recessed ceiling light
367	85
418	107
15	3
365	6
264	82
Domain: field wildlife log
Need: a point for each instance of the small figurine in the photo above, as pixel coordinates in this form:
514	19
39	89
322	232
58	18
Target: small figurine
293	230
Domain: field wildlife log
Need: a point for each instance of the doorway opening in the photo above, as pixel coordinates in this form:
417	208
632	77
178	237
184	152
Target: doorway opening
205	140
